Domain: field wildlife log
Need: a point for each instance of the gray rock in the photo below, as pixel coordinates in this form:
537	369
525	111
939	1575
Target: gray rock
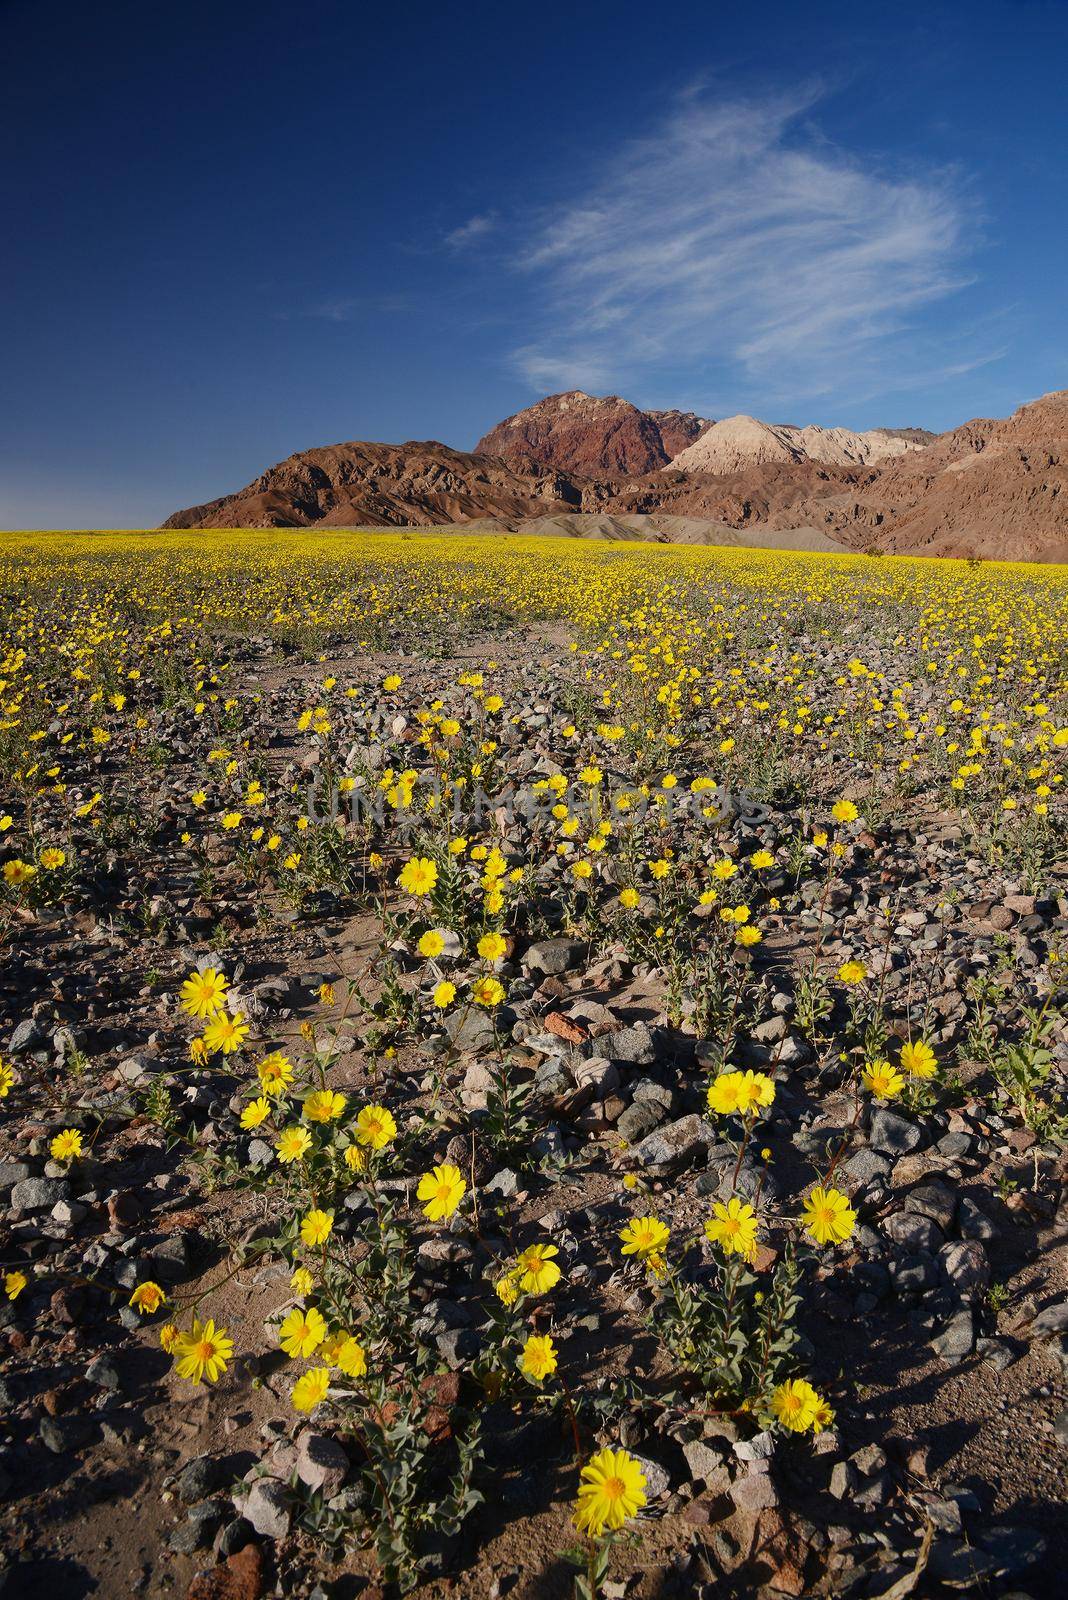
957	1338
893	1134
996	1353
321	1462
477	1087
1053	1320
1014	1548
103	1371
874	1491
267	1507
755	1492
200	1527
672	1147
864	1167
639	1119
549	1144
761	1447
914	1233
958	1564
966	1267
553	956
869	1460
457	1346
60	1434
658	1094
168	1261
634	1045
792	1052
934	1200
234	1537
704	1460
199	1478
598	1073
471	1029
912	1274
26	1036
31	1195
504	1183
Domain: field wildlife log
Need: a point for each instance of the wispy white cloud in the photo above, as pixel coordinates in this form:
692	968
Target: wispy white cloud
735	243
474	228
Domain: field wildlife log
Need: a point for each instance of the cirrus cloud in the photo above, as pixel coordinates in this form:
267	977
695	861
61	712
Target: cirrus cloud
734	244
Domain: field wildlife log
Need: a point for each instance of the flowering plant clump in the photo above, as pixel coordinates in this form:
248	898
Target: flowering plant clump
511	1071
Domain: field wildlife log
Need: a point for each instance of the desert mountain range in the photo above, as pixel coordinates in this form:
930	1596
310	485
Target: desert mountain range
601	467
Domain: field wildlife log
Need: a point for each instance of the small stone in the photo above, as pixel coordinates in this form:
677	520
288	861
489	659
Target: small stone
26	1036
199	1528
199	1478
934	1200
966	1267
321	1462
634	1045
995	1353
553	956
598	1073
505	1184
672	1147
60	1434
1052	1320
267	1507
869	1459
705	1461
38	1194
893	1134
957	1338
761	1447
754	1492
1013	1547
103	1371
973	1223
471	1030
914	1233
639	1120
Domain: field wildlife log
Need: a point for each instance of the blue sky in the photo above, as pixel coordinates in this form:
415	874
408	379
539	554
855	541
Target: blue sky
236	230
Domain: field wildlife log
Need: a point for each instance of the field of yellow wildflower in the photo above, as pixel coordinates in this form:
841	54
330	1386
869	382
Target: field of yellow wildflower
530	1067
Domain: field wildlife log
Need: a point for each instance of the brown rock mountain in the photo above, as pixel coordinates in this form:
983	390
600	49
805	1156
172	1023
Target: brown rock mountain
595	435
996	489
419	484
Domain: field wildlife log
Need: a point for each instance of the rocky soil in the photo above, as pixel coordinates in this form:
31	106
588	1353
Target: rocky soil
939	1331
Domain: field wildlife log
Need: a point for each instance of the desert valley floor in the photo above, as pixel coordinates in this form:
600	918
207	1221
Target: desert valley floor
484	1019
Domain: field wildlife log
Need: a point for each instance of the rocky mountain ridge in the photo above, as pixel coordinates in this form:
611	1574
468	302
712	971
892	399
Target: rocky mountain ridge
992	488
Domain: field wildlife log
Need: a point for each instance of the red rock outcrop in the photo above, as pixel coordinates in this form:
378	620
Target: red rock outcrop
595	435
